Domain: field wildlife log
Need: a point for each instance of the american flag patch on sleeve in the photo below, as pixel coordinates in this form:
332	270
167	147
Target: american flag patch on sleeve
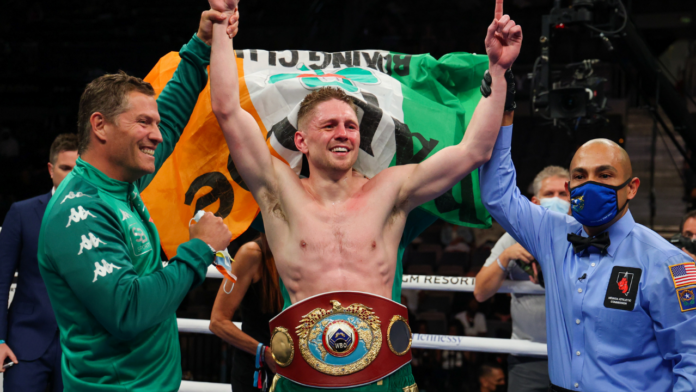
683	274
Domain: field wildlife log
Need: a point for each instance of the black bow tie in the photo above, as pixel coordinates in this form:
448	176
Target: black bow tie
580	243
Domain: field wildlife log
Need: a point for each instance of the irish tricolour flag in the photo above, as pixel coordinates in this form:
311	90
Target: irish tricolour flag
410	106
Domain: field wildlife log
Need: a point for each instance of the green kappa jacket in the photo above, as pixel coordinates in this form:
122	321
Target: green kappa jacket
99	255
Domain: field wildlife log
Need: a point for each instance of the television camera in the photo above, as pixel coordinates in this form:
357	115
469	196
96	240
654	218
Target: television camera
580	99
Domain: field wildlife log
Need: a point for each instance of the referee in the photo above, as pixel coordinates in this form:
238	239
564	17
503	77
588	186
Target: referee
618	296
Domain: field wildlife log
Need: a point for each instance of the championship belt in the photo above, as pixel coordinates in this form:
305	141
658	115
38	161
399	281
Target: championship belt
341	339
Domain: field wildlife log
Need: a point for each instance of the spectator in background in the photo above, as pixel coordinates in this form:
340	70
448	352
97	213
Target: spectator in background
424	362
453	362
528	311
474	322
687	228
9	147
491	379
28	331
689	183
257	296
404	301
456	238
486	237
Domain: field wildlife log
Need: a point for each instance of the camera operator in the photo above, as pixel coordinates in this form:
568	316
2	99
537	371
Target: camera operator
687	234
509	260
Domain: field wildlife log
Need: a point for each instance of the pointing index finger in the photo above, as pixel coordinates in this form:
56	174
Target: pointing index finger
498	9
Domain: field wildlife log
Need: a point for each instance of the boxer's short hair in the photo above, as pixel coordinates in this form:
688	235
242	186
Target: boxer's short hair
322	95
108	95
63	142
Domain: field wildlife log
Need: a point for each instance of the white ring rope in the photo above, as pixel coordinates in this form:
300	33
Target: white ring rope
443	283
435	342
199	386
422	341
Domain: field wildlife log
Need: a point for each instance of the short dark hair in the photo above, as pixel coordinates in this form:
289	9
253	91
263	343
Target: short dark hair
322	95
63	142
689	215
108	95
486	369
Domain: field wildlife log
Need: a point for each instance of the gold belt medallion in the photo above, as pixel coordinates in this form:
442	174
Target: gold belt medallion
340	341
282	348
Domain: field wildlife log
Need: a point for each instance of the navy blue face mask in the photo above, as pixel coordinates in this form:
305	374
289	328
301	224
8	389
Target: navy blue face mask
594	204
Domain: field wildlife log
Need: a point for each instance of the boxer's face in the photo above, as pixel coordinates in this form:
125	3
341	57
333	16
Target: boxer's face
330	137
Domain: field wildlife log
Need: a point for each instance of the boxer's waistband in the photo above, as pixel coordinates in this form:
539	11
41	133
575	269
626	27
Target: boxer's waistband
341	339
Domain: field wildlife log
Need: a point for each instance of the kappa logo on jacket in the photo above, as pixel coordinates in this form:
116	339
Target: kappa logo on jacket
78	215
72	195
103	269
89	243
125	215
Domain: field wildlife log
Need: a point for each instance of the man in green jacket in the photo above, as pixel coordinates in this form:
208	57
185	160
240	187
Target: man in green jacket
99	250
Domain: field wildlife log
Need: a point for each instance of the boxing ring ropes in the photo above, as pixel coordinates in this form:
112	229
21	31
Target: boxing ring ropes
422	341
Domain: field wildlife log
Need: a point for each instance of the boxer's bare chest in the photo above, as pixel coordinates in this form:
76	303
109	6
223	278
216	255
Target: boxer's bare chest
349	245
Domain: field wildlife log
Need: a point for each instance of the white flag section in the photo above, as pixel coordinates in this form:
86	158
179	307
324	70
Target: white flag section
277	90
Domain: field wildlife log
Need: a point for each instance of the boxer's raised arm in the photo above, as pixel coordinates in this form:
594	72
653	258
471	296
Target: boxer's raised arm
244	139
437	174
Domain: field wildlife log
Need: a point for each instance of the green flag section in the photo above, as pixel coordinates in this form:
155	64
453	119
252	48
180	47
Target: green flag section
440	97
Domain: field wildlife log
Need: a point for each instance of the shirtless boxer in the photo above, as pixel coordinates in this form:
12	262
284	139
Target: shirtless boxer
338	231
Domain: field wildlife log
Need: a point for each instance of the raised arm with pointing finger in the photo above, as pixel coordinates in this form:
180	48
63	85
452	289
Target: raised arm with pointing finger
443	170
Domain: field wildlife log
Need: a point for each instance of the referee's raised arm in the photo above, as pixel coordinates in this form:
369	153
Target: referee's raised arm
521	218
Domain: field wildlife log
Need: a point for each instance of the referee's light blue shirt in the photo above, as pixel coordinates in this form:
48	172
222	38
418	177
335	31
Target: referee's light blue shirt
595	342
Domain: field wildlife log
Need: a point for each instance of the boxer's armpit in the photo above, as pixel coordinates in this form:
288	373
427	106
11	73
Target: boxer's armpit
397	211
272	203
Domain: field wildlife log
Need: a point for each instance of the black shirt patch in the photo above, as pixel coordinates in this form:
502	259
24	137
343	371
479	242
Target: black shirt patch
623	288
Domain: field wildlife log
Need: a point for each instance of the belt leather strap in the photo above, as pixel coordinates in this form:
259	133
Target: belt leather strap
341	339
556	388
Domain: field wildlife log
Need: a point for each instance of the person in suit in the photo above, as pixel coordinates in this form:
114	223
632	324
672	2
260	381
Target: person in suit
28	331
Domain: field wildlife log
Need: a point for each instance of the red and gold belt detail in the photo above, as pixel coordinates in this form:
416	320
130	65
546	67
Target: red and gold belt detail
332	346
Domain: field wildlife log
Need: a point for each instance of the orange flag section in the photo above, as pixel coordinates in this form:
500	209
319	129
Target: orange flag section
196	175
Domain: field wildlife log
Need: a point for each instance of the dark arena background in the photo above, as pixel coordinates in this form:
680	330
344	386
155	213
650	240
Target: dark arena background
625	71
